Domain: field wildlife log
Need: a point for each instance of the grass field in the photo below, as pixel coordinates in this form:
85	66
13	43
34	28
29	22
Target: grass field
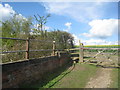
75	77
48	77
101	46
78	77
114	76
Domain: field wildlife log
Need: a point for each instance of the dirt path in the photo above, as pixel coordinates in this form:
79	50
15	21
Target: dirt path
101	80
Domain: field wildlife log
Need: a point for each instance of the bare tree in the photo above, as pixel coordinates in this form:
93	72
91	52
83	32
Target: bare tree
42	20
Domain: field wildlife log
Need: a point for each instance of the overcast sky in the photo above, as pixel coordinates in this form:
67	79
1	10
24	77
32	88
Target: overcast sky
91	22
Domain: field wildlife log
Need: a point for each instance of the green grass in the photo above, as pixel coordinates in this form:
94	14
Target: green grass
103	46
100	46
95	50
47	77
115	79
75	77
119	78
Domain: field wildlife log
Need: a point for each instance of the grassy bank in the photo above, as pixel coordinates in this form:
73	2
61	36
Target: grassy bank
48	77
75	77
115	79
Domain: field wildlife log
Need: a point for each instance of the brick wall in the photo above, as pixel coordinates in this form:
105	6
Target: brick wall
29	71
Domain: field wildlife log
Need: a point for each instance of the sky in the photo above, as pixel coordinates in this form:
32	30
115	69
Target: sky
94	23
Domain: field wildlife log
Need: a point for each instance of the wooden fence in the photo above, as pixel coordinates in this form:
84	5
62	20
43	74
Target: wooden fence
80	53
80	49
27	50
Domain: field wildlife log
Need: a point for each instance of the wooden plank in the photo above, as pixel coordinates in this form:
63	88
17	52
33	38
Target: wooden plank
74	53
12	38
12	51
72	49
102	48
41	50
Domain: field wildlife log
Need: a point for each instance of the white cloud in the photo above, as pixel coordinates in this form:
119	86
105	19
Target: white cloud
102	28
36	27
79	11
98	42
44	27
68	24
47	27
76	39
59	0
93	41
6	12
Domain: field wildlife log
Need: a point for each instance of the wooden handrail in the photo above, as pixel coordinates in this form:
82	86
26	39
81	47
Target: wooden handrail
13	38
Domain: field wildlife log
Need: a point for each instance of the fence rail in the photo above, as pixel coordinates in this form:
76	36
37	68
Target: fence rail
102	48
40	40
27	51
13	51
13	38
94	48
82	48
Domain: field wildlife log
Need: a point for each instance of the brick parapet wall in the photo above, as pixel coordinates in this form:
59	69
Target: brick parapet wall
29	71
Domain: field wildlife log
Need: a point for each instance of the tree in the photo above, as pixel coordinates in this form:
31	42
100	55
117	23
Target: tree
42	20
62	38
15	27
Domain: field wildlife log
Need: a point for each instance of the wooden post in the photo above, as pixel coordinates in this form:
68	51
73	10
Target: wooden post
80	52
27	49
53	47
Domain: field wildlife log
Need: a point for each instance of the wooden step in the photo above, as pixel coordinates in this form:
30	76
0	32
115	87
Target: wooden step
74	53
